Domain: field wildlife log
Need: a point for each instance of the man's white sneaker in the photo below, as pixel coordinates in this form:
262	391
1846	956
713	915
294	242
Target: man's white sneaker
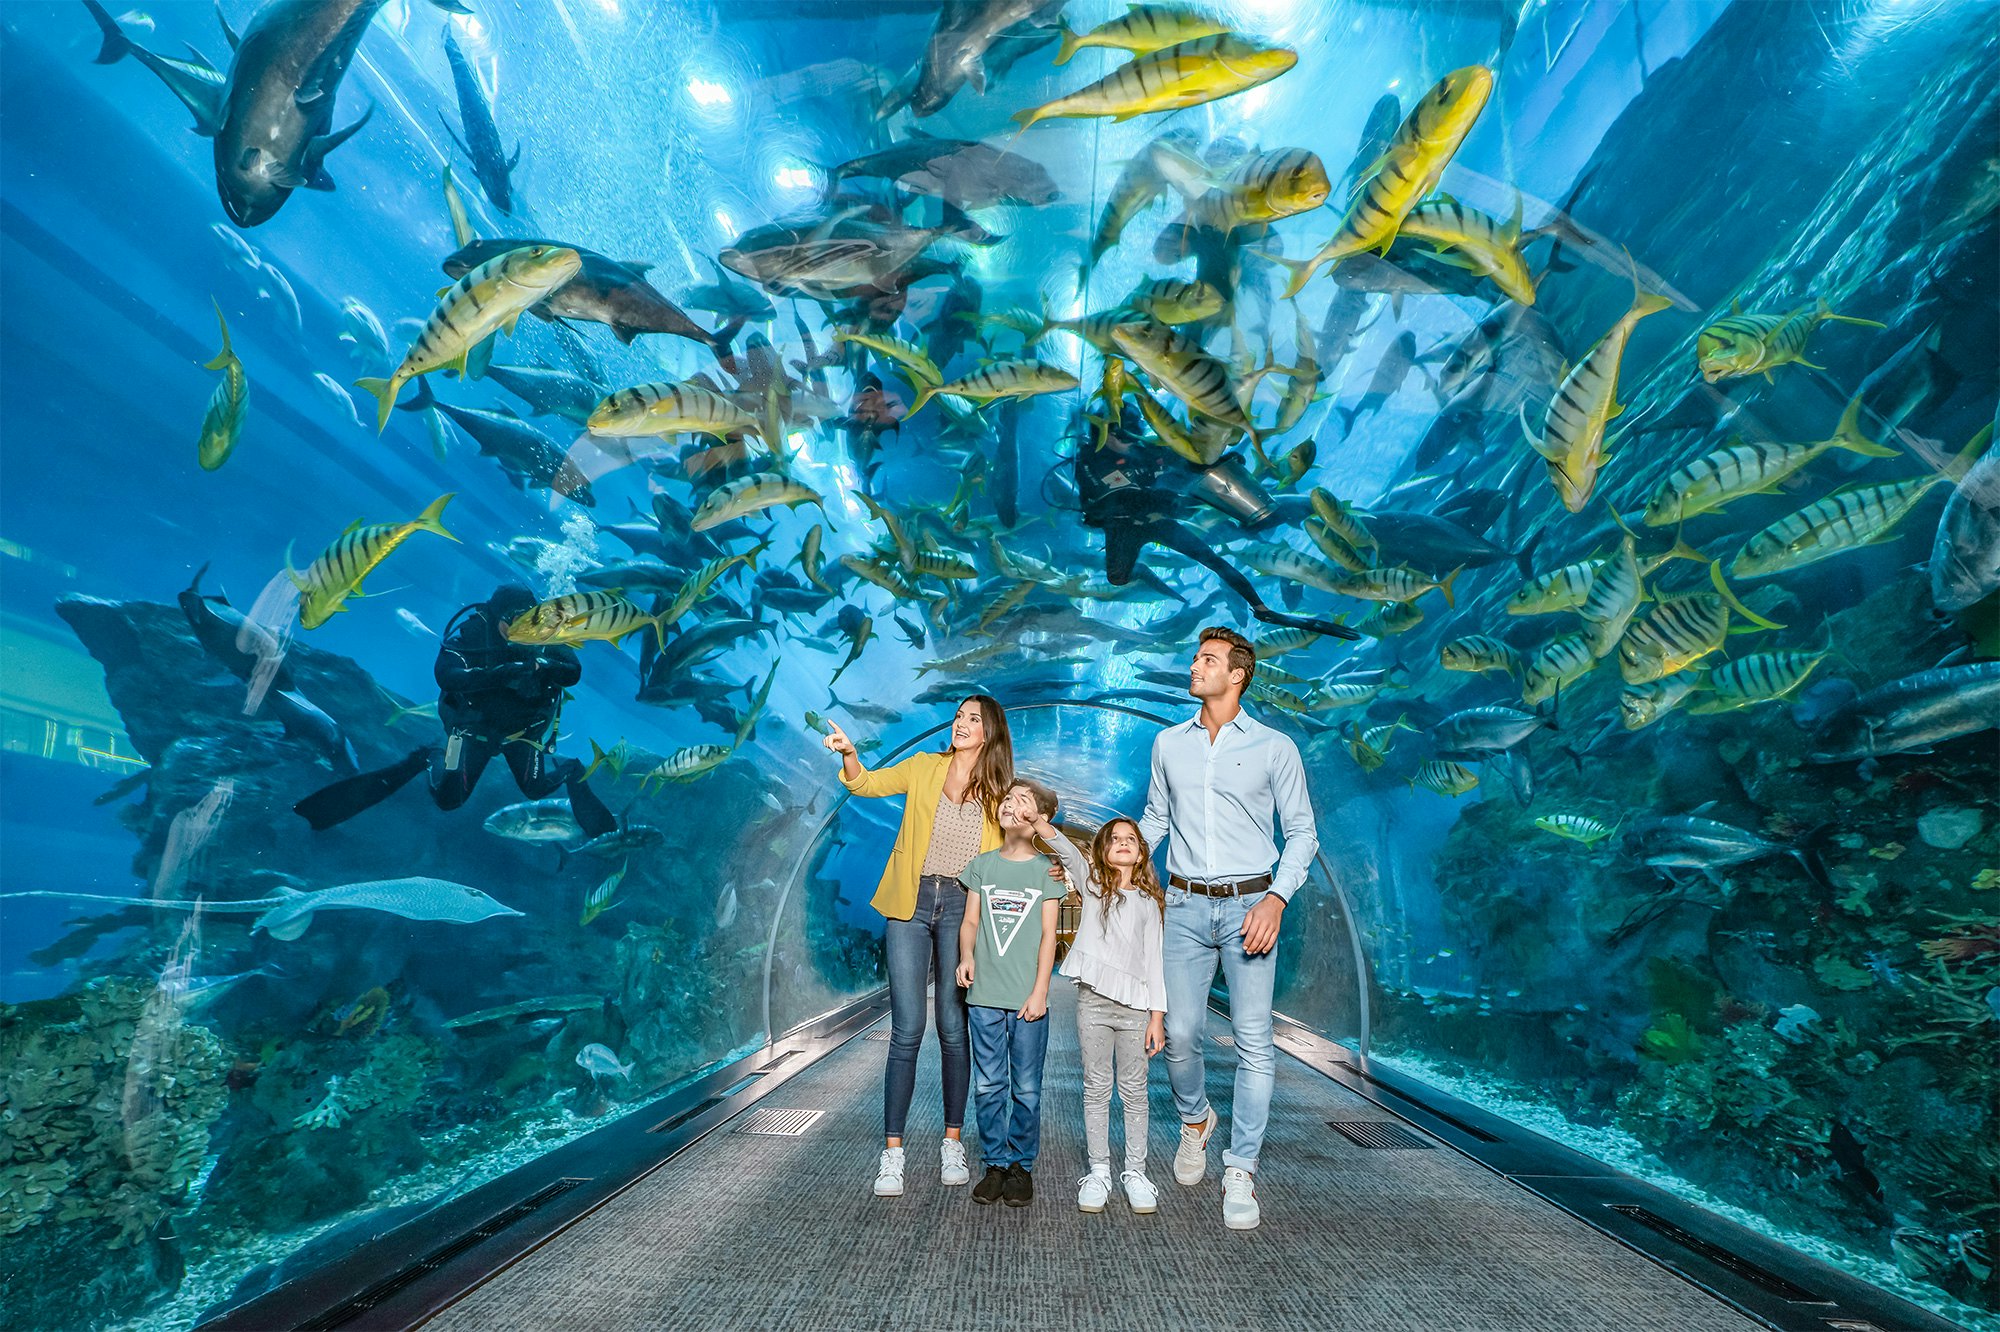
1191	1160
952	1168
1239	1199
1140	1193
889	1175
1092	1191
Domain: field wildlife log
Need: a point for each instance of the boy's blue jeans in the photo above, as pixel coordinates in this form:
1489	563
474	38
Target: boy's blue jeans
1200	932
1007	1055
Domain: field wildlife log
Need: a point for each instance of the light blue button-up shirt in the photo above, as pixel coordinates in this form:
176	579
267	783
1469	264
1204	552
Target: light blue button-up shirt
1217	803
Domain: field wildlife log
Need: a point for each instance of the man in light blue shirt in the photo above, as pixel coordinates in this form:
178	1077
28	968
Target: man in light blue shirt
1219	781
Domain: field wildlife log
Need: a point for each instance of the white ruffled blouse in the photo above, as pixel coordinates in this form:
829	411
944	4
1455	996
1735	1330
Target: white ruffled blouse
1119	952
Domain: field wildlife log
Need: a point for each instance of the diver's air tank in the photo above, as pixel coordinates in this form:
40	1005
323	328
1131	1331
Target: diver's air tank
1227	486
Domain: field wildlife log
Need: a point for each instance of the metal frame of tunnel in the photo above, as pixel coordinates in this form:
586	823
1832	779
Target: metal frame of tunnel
1361	985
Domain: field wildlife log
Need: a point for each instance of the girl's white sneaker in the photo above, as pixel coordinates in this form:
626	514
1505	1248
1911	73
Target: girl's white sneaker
1093	1191
889	1175
1140	1193
952	1168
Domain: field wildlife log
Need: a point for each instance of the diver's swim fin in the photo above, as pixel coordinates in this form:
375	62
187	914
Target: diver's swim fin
346	798
590	812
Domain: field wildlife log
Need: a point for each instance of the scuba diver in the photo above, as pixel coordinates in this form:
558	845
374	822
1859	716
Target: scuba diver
1121	489
495	697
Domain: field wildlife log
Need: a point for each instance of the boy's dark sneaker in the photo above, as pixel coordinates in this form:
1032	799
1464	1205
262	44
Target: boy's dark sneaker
990	1186
1020	1187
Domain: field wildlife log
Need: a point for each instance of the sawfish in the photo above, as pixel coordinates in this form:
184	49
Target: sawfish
290	913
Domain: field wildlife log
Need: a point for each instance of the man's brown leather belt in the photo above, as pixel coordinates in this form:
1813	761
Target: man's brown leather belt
1221	887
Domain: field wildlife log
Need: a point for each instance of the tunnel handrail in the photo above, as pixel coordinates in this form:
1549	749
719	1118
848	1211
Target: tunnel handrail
784	898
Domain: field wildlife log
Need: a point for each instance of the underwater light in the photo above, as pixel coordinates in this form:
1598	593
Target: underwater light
794	178
708	93
725	221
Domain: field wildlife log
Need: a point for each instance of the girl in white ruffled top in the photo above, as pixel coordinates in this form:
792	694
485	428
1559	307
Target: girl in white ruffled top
1121	1003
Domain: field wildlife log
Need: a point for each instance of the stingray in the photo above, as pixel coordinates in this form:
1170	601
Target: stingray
290	913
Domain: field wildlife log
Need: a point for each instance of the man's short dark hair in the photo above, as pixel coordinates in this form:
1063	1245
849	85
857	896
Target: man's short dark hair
1242	657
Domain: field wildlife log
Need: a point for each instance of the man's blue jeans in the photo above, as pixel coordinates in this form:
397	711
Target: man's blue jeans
1201	931
1007	1055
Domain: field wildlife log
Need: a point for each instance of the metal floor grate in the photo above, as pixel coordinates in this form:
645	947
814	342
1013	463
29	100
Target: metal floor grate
1223	1039
779	1123
1378	1134
1721	1257
876	1036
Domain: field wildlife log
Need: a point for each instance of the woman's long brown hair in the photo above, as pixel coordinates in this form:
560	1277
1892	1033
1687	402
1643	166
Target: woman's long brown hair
1144	878
993	770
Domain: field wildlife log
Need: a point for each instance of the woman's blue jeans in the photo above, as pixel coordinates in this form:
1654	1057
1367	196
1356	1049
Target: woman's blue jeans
927	940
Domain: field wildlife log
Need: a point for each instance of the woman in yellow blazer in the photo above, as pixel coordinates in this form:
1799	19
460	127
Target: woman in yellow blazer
950	815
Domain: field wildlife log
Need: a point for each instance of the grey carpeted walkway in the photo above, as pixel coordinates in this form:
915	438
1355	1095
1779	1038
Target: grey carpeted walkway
764	1232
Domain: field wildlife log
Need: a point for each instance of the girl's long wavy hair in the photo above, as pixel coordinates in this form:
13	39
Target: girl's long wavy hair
993	771
1144	877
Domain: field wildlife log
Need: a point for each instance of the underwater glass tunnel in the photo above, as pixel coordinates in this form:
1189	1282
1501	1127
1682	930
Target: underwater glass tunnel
1584	405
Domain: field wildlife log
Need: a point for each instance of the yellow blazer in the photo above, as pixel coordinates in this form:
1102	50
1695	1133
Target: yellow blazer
919	778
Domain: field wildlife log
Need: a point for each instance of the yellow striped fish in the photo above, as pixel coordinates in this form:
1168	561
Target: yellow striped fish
1175	300
579	617
1347	522
1466	238
669	409
1559	663
336	575
1585	404
881	573
1417	155
812	559
1741	468
1276	696
1094	329
1003	604
1391	618
1141	29
1844	521
906	546
1001	379
686	765
1277	561
1761	678
1445	778
753	494
1396	583
1285	640
1370	746
1179	364
1476	653
933	564
1143	180
1752	344
698	584
1331	697
1575	827
915	361
222	423
1334	547
1673	636
1173	435
1185	74
1302	386
1640	705
1260	189
1565	589
1615	592
487	300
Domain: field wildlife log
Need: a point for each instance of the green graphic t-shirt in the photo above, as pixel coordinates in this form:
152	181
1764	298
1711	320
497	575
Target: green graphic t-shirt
1011	894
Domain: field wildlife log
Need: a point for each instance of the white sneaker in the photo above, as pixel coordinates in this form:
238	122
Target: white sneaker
1191	1160
1092	1191
1140	1193
1239	1199
889	1175
951	1163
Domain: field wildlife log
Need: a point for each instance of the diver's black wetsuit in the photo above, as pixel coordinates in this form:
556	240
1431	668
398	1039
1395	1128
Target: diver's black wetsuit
1119	487
495	697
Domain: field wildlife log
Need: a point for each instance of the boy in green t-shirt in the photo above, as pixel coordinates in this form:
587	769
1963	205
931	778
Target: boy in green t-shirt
1008	948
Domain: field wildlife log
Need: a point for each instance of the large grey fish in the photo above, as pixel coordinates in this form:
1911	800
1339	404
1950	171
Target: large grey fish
604	291
1965	558
682	654
548	392
290	913
481	143
271	115
535	821
530	459
956	52
1690	842
730	299
1912	714
968	173
1477	732
1439	544
241	648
